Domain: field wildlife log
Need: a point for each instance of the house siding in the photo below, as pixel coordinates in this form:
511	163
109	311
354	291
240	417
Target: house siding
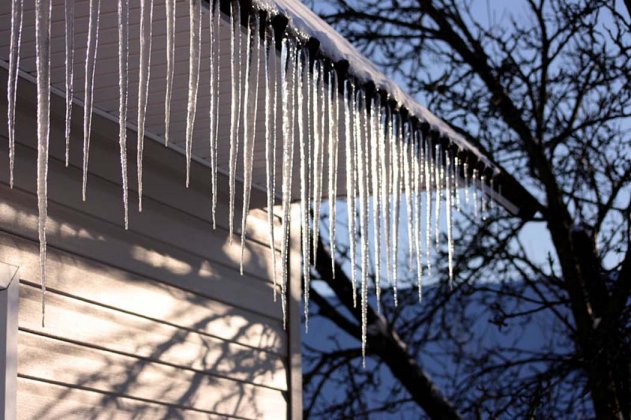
151	322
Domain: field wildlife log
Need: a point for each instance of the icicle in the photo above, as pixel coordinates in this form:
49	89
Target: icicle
90	61
483	197
349	93
476	209
466	186
438	179
454	183
428	204
12	82
215	27
42	48
270	144
248	140
146	18
195	40
416	177
301	82
287	85
362	159
69	48
318	150
375	108
448	210
386	171
396	197
123	55
170	12
333	150
235	107
407	145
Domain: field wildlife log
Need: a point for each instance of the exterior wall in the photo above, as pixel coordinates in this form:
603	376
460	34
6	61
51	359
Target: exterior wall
151	322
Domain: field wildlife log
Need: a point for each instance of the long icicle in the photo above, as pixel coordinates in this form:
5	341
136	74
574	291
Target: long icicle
215	55
248	141
170	14
333	155
465	170
195	41
407	179
287	83
417	178
448	211
235	107
318	150
438	179
386	175
304	183
42	46
69	48
349	92
270	143
17	14
146	18
428	203
361	155
375	108
396	190
90	61
123	55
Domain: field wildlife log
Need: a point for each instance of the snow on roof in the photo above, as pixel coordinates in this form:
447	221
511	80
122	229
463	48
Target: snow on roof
333	45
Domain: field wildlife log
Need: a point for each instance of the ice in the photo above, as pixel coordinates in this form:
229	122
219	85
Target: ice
318	97
195	41
146	18
448	211
375	109
386	175
361	156
170	29
235	106
123	65
438	179
12	82
302	82
416	177
90	61
69	49
215	26
287	68
396	190
455	186
407	179
270	141
42	51
250	123
465	171
428	203
349	92
475	182
333	155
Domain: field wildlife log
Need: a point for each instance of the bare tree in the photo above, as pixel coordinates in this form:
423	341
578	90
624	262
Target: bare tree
544	89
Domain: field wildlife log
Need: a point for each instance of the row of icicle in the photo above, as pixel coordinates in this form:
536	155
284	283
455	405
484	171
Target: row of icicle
387	156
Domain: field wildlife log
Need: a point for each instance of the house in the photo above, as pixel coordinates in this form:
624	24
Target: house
171	317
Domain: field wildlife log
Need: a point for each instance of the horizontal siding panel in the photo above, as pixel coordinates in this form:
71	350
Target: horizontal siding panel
170	226
111	287
131	252
66	363
98	326
50	401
